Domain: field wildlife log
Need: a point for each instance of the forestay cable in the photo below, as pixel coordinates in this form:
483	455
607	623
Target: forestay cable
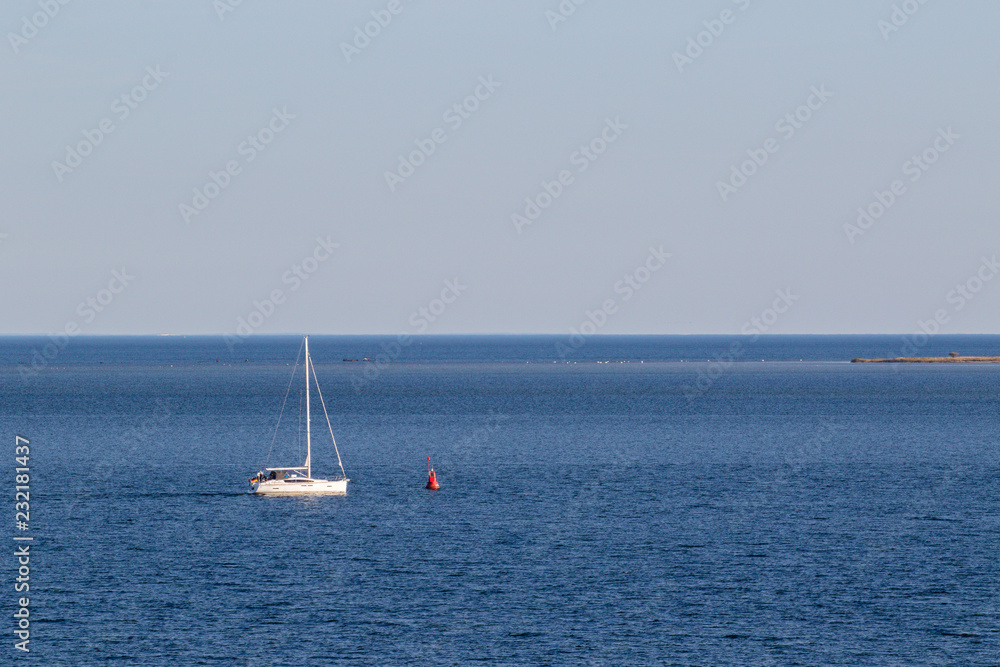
274	437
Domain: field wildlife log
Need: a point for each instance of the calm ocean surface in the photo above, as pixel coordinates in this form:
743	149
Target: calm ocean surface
631	501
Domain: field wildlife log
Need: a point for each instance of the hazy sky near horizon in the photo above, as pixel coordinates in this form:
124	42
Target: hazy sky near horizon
177	166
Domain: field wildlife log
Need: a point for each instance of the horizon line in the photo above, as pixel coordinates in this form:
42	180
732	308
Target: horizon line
441	335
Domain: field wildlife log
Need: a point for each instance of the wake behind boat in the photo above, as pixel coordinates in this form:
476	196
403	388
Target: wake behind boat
298	480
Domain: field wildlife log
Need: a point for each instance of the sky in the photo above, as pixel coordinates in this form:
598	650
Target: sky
453	167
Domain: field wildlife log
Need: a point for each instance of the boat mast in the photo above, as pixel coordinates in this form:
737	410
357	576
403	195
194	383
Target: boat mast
308	442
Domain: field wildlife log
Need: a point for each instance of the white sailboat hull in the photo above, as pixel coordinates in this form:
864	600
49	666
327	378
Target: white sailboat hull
301	486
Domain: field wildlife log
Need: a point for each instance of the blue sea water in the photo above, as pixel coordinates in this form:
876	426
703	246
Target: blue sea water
628	501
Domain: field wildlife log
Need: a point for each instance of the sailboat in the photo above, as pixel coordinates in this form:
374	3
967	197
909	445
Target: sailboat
298	480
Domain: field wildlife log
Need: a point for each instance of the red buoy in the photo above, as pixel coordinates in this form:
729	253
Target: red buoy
432	481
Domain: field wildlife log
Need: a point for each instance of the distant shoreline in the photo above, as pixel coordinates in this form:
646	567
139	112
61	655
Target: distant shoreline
929	360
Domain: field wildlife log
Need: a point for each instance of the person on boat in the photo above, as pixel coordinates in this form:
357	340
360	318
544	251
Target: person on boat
273	475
